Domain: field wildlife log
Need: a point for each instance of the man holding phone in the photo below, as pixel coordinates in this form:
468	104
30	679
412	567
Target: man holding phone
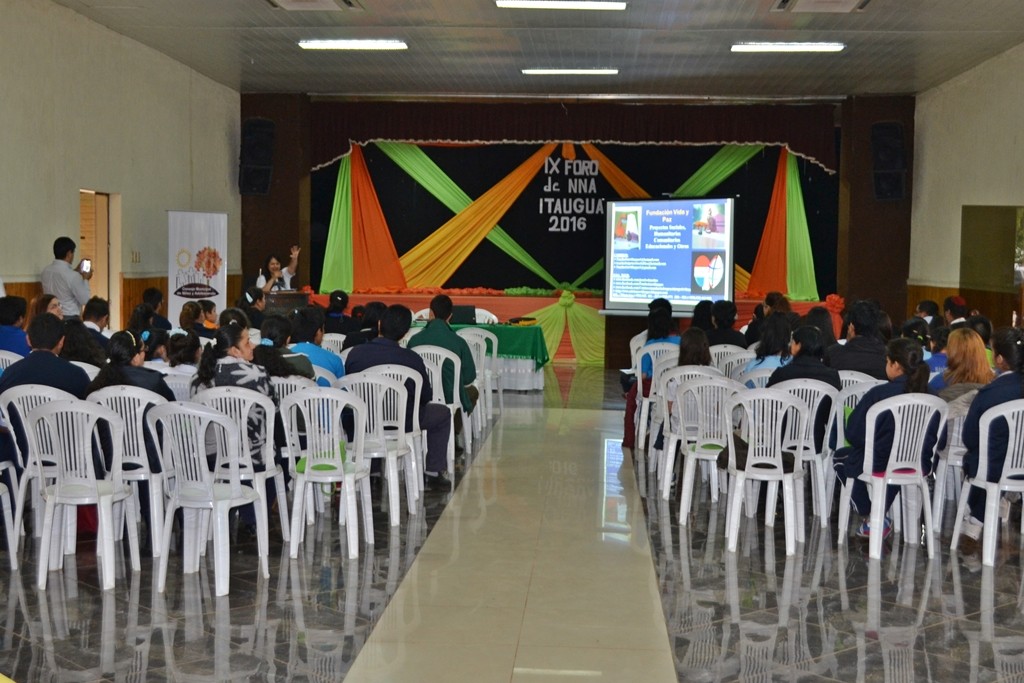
69	285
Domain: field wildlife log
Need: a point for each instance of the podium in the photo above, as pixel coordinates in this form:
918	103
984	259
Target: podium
284	302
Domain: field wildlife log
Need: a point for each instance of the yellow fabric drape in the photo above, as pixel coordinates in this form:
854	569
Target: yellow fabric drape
586	329
431	262
620	182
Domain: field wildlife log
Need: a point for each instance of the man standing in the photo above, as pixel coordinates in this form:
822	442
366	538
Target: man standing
69	285
438	332
434	417
96	317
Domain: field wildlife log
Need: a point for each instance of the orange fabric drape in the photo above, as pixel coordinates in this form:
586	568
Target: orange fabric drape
620	182
431	262
568	150
769	272
374	257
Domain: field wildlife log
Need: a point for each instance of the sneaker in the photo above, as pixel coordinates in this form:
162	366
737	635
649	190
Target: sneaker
971	528
865	529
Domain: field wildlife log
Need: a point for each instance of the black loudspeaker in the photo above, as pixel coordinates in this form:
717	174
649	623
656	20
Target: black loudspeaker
889	162
256	157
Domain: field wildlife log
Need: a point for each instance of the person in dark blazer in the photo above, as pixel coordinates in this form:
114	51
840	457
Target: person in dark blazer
96	316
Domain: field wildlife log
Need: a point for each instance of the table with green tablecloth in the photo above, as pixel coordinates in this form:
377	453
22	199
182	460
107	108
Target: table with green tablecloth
522	355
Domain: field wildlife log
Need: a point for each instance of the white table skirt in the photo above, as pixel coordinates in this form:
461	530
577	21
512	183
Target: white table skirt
520	374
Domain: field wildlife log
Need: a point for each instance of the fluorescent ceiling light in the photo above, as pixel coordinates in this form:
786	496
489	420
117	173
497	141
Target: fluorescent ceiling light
353	44
788	47
570	72
561	4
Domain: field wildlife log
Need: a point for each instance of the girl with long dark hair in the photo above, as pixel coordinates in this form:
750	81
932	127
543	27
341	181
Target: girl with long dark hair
272	354
127	353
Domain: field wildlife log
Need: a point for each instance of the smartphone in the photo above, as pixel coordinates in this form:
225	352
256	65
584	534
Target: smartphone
86	265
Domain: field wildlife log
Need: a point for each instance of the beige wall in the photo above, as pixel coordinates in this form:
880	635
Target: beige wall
82	107
968	149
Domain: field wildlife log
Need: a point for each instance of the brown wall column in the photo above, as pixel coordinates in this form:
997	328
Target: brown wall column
874	233
273	222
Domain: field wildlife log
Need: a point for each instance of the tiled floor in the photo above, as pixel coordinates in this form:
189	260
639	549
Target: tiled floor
544	565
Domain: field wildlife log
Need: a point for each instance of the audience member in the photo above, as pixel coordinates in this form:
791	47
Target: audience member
438	332
43	303
821	318
1007	343
155	298
96	316
939	338
723	315
983	326
864	351
928	311
806	351
235	315
156	341
368	325
12	318
272	353
44	364
967	366
183	351
907	373
774	302
702	315
955	310
307	334
335	320
190	318
694	349
69	285
253	302
127	355
917	329
773	346
142	318
80	345
434	417
209	316
659	329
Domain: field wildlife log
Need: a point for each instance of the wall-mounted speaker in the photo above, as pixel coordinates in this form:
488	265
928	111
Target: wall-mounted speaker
256	156
889	160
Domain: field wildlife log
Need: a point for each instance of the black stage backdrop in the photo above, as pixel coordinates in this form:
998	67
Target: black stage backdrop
413	213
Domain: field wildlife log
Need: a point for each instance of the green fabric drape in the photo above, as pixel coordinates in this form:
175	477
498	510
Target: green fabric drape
799	258
589	273
338	272
723	164
421	168
586	329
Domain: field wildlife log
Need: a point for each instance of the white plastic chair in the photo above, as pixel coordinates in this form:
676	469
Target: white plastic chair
12	536
813	393
492	367
283	386
671	378
8	358
421	315
1010	414
326	375
719	352
736	361
180	385
656	351
437	396
913	416
755	379
417	437
240	405
765	413
439	356
844	403
333	341
485	317
130	404
90	369
848	378
478	350
386	400
706	427
37	468
314	415
203	500
71	429
951	457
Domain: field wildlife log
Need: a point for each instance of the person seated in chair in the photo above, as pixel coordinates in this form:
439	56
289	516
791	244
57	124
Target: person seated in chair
434	417
12	317
438	332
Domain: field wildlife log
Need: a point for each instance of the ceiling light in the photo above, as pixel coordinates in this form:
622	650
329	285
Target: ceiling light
353	44
570	72
788	47
561	4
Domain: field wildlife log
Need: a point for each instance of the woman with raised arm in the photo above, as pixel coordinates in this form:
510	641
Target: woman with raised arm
273	276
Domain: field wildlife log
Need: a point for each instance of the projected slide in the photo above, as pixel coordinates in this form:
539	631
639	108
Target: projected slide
677	249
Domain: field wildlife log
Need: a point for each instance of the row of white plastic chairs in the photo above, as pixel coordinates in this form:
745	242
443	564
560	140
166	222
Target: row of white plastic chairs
61	453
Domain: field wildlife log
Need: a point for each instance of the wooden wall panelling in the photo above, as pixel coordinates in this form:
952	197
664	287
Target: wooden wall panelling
996	306
27	290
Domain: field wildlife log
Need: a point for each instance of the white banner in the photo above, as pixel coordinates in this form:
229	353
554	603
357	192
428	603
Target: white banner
197	268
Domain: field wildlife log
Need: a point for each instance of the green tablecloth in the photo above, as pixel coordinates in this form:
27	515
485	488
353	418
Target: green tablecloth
524	343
